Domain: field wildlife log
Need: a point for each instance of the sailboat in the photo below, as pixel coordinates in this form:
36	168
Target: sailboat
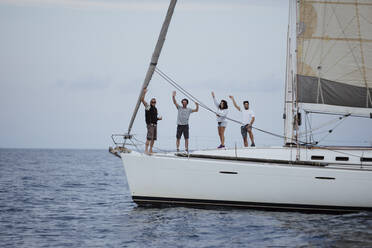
329	71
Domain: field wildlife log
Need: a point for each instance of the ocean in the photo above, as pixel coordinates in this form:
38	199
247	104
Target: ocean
80	198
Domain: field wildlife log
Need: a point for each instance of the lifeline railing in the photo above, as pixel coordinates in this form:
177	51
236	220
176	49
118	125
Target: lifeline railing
121	144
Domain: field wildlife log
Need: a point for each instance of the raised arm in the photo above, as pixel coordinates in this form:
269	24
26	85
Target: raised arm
214	100
197	107
234	102
143	98
174	99
252	121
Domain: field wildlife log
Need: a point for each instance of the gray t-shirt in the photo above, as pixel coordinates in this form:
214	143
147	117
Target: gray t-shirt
183	115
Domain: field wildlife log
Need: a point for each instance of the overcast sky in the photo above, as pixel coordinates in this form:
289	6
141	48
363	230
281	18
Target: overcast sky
71	70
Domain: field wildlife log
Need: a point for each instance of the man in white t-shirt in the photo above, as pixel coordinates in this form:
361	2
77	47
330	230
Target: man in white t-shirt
248	119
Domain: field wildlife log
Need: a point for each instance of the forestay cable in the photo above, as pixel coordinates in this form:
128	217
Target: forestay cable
187	94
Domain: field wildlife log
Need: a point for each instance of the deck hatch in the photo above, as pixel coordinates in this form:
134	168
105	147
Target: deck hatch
326	178
342	158
366	159
315	157
229	172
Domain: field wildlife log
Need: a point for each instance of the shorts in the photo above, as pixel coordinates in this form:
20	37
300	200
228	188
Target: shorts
151	132
245	129
222	123
182	129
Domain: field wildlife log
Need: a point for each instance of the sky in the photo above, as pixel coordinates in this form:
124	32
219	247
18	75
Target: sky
71	70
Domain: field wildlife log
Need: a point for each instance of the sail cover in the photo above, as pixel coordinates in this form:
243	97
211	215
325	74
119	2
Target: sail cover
334	56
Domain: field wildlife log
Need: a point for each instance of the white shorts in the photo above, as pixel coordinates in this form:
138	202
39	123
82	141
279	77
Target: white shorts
222	124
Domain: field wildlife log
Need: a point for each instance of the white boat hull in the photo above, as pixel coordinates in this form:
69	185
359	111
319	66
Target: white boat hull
206	181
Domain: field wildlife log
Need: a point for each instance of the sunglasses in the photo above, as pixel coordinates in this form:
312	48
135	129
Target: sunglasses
153	102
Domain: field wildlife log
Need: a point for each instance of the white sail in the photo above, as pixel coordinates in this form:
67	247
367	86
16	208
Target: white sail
334	56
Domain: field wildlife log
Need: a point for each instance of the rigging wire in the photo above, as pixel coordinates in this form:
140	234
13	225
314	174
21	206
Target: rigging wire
338	119
182	90
331	130
187	94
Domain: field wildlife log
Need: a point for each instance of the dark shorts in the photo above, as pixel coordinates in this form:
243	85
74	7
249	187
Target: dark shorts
151	132
244	130
182	129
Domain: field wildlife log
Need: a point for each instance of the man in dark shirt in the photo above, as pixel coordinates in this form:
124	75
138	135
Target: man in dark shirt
151	114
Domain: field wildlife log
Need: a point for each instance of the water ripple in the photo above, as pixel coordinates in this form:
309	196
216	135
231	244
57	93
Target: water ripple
77	198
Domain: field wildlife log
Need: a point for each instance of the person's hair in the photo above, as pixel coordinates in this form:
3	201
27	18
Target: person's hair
184	99
225	105
245	102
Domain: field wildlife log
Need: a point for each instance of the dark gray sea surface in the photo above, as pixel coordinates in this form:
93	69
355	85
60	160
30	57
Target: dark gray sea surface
80	198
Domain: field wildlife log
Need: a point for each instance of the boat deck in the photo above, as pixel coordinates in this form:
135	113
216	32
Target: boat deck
343	158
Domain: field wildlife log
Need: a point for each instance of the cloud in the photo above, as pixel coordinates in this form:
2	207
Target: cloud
214	5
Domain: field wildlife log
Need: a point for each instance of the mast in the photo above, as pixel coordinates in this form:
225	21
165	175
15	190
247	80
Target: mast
295	107
154	60
289	81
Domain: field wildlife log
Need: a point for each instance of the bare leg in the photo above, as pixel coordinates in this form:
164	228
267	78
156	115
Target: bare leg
220	134
147	146
245	142
251	137
151	145
187	145
223	136
178	144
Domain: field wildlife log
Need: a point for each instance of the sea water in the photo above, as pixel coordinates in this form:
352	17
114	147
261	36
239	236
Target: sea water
80	198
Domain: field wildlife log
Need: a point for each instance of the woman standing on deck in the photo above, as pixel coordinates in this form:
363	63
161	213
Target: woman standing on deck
221	119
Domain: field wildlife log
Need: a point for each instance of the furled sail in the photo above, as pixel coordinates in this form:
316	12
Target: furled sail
334	56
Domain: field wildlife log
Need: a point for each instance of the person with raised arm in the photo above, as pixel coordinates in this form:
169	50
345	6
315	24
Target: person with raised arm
183	120
221	113
248	119
151	114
